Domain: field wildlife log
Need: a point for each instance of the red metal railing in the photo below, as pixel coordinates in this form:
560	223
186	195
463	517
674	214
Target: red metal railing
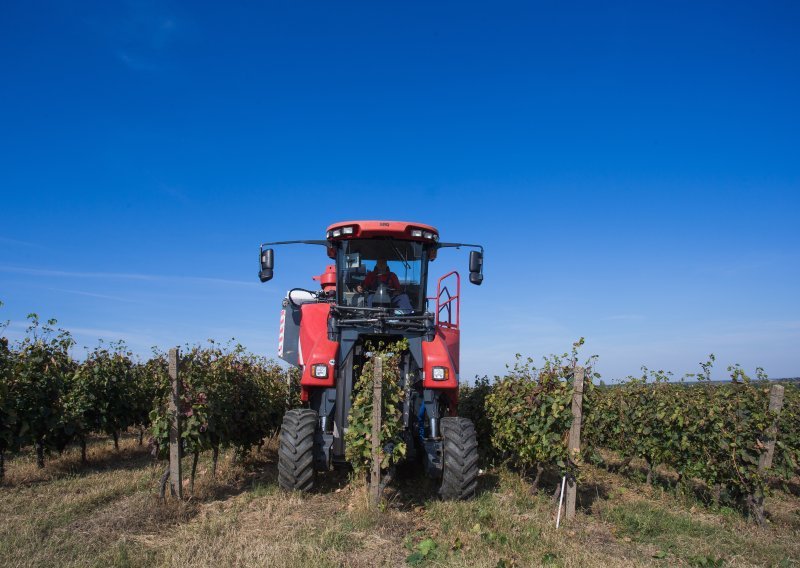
445	301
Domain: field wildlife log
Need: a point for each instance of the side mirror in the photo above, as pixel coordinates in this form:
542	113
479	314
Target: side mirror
475	261
267	264
475	267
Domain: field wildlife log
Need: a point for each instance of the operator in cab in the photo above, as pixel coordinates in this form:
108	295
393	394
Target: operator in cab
382	275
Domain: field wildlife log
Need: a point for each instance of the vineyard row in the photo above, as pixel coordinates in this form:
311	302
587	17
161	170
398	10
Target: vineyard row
714	433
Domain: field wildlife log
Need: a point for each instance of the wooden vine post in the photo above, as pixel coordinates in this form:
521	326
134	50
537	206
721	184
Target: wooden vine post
756	502
767	441
377	407
775	406
574	443
175	450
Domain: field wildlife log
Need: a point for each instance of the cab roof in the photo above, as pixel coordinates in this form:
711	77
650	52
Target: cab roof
396	229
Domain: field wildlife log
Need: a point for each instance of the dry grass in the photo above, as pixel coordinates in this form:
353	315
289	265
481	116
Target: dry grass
108	514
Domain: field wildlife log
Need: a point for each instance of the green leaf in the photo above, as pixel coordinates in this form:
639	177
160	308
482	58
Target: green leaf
426	546
549	558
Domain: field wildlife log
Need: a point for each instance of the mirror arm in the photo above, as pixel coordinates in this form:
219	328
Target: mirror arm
474	277
459	245
323	243
265	273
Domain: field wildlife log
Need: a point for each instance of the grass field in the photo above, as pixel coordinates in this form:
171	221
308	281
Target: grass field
108	514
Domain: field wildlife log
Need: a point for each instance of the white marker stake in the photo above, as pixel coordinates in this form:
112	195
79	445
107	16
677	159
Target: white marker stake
560	500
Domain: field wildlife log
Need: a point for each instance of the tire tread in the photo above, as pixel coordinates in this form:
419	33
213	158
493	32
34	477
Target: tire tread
460	467
296	450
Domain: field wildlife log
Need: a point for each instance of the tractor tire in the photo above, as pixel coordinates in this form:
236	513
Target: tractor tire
296	452
460	459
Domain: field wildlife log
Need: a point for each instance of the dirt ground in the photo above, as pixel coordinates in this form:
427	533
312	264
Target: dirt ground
108	513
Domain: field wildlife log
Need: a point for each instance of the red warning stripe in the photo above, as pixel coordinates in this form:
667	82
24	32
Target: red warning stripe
280	334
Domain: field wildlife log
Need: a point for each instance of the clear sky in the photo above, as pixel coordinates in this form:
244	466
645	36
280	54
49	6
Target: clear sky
633	169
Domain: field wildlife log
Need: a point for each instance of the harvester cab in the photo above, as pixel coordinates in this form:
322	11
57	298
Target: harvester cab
377	289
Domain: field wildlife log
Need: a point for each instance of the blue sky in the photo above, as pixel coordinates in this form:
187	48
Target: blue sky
633	170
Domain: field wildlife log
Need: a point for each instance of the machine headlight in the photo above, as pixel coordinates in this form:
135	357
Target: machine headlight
440	373
320	371
347	230
337	232
416	233
427	235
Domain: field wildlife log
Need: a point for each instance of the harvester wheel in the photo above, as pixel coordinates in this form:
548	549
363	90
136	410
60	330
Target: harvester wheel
296	453
460	460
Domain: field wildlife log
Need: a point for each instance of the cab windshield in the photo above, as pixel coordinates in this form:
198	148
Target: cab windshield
365	264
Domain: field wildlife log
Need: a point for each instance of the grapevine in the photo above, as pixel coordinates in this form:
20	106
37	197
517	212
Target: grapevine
359	433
